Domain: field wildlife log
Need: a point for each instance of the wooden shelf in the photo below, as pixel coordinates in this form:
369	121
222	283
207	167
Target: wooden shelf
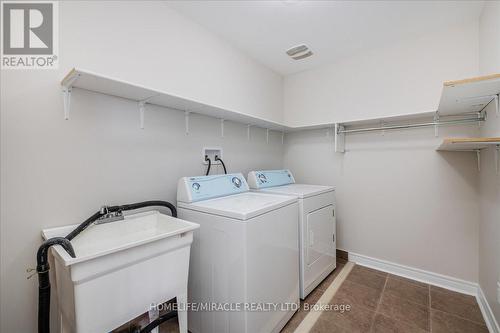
469	95
467	144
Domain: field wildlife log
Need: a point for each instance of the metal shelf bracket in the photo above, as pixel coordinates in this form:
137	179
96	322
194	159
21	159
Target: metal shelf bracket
497	153
248	132
497	105
267	135
282	137
436	127
66	91
142	107
339	138
186	122
478	154
67	101
222	128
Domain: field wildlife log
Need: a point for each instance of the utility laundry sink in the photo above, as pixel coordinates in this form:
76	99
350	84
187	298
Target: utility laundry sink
120	269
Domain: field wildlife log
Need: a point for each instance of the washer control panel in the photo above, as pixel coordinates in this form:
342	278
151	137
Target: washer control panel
270	178
191	189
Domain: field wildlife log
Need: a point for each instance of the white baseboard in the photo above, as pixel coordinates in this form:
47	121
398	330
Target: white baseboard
448	282
488	315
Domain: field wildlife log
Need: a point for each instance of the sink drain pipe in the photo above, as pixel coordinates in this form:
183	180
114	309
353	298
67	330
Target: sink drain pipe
42	263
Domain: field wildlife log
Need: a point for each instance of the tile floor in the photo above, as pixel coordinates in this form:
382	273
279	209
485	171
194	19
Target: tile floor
385	303
312	298
382	302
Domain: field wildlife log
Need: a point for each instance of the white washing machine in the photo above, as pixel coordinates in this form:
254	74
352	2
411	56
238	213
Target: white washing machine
244	257
316	219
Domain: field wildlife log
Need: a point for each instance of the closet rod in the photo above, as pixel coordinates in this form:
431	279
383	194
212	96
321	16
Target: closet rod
434	123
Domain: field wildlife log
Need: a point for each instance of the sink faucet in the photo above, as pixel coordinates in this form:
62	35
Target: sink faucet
109	216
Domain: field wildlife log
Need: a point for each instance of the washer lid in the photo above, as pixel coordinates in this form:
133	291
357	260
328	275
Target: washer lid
300	190
242	206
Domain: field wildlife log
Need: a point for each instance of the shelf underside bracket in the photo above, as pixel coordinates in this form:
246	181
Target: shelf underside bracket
497	153
478	154
142	107
66	101
248	132
436	127
66	91
186	122
222	128
497	105
267	135
282	137
339	138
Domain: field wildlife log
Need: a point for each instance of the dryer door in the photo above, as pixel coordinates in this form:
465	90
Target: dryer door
320	230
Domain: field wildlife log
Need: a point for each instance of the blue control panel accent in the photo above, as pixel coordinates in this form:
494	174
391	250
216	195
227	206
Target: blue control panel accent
272	178
208	187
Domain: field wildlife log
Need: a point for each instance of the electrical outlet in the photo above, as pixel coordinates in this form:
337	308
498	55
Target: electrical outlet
211	152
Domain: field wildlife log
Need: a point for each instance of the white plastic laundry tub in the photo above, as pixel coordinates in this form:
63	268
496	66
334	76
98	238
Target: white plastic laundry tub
120	269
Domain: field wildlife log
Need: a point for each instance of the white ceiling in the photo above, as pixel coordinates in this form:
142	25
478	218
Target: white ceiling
331	29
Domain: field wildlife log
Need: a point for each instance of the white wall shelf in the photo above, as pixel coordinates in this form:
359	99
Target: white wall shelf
78	78
470	95
463	98
462	102
472	145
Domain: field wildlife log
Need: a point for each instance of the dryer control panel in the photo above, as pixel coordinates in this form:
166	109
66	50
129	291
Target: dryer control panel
270	178
192	189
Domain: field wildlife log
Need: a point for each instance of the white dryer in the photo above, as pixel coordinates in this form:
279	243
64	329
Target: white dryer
316	219
244	257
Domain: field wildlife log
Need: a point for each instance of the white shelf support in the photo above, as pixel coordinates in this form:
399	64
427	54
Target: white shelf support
142	107
282	137
66	91
339	138
267	135
67	101
478	154
222	128
436	127
497	105
186	122
248	132
497	153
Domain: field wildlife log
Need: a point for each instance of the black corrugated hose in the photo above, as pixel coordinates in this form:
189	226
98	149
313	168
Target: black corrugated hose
43	267
207	159
217	158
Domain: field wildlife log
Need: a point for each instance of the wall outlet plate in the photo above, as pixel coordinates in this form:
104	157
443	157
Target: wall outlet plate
211	152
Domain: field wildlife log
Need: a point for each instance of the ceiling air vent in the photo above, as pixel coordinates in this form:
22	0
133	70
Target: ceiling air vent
299	52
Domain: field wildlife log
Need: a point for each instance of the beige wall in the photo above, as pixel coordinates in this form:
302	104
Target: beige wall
398	199
56	172
489	183
390	80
